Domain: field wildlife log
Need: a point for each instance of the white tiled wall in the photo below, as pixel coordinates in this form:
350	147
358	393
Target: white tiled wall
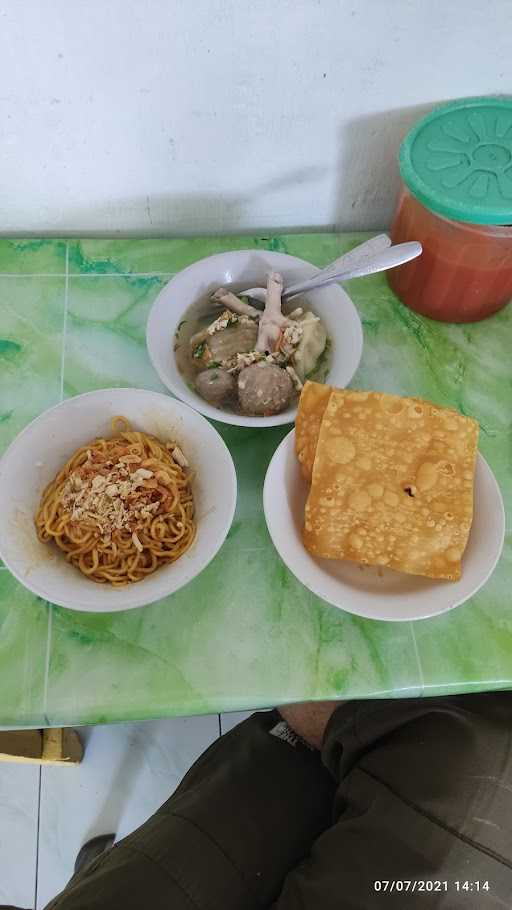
128	771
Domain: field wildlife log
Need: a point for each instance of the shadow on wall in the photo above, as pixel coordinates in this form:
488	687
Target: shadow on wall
193	213
365	182
368	176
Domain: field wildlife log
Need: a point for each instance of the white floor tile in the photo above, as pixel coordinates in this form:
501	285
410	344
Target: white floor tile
19	795
128	771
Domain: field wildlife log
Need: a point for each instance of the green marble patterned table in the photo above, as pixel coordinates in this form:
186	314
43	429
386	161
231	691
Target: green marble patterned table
245	633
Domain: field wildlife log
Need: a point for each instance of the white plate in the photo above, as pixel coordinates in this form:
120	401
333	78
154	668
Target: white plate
366	591
243	269
43	447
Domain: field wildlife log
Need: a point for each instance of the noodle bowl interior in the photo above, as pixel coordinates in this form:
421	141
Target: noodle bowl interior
120	507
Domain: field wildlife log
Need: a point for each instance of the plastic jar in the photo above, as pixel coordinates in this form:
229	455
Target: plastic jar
456	199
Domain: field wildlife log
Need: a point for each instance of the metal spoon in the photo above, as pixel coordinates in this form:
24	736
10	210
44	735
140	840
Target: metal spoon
361	253
378	258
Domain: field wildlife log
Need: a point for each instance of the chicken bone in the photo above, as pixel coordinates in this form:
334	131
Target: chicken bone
233	303
272	322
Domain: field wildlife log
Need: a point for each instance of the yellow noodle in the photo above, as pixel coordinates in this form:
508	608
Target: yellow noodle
164	536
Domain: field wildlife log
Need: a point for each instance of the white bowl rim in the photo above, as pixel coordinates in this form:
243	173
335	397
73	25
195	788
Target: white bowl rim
311	585
227	417
210	553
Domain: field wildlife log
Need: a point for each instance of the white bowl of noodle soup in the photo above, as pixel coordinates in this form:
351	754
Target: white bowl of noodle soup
237	270
41	450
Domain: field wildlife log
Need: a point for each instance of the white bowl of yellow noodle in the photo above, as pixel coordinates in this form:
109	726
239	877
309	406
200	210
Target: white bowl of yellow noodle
41	450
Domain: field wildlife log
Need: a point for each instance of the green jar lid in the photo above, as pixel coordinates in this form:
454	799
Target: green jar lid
458	160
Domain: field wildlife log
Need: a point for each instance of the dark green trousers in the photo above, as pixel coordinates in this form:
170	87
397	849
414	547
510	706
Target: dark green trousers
409	805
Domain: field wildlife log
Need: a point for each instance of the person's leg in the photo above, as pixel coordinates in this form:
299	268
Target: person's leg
245	814
424	795
92	850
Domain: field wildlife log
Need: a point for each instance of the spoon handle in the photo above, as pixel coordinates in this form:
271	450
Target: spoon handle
360	254
383	260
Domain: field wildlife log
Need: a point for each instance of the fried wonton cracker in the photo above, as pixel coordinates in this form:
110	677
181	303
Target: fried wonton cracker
312	404
392	484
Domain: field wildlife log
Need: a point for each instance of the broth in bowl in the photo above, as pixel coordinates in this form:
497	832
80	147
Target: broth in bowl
185	299
247	360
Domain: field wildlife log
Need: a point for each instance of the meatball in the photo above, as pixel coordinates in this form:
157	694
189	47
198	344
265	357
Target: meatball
264	389
216	386
236	339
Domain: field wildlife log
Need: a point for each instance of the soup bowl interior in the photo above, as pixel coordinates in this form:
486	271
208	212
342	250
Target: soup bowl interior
239	270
